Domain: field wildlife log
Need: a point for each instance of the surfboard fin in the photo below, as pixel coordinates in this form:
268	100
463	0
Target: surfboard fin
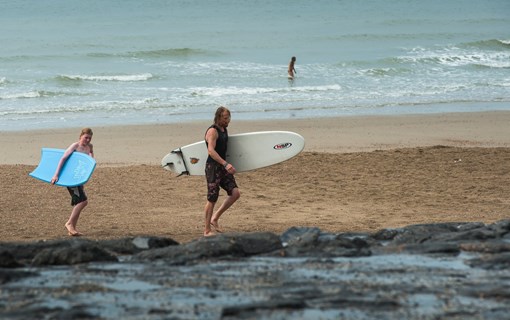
186	172
180	174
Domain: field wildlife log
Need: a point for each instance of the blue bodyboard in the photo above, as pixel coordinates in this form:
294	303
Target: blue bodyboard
76	170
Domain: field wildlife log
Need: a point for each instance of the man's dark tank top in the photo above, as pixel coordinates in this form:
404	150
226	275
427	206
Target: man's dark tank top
221	143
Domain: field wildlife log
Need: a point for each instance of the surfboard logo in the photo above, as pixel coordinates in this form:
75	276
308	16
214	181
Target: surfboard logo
194	160
282	146
80	171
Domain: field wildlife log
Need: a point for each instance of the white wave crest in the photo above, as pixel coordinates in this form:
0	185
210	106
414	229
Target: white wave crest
122	78
21	95
456	57
227	91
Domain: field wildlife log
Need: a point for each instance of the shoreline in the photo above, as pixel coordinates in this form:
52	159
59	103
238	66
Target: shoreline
147	144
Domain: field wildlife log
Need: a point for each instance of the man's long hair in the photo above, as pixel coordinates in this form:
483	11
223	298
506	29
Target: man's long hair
219	112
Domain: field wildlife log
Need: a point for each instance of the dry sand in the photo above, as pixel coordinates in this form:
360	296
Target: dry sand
355	174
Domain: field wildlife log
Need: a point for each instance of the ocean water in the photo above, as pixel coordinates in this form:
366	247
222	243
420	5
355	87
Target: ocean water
70	63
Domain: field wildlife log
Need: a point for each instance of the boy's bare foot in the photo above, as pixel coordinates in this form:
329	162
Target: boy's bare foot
216	226
209	233
71	230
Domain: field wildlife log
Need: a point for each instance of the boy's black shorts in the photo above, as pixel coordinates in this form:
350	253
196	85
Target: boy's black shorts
77	195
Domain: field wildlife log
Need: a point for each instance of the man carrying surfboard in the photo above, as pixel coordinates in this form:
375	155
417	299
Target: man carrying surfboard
218	172
78	197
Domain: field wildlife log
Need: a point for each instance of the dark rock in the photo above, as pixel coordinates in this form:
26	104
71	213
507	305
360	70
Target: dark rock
501	228
125	246
470	226
486	247
250	244
237	245
300	236
386	234
312	297
137	244
420	233
7	260
350	241
311	242
354	299
415	272
76	313
338	247
492	262
488	291
250	311
469	235
7	275
431	248
188	253
74	253
26	251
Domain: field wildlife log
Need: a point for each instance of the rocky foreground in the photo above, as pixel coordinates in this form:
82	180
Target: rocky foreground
432	271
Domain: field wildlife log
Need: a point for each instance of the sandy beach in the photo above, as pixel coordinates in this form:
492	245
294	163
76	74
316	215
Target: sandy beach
355	174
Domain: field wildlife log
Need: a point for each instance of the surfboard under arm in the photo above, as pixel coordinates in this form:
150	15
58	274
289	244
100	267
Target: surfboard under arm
76	171
246	151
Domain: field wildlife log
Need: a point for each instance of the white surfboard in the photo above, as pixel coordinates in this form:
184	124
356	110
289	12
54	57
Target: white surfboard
245	151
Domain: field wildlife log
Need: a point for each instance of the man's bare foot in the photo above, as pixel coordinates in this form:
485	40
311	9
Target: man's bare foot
209	233
216	226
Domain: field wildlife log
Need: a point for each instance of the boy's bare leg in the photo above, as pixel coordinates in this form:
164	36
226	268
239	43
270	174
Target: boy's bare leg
73	219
